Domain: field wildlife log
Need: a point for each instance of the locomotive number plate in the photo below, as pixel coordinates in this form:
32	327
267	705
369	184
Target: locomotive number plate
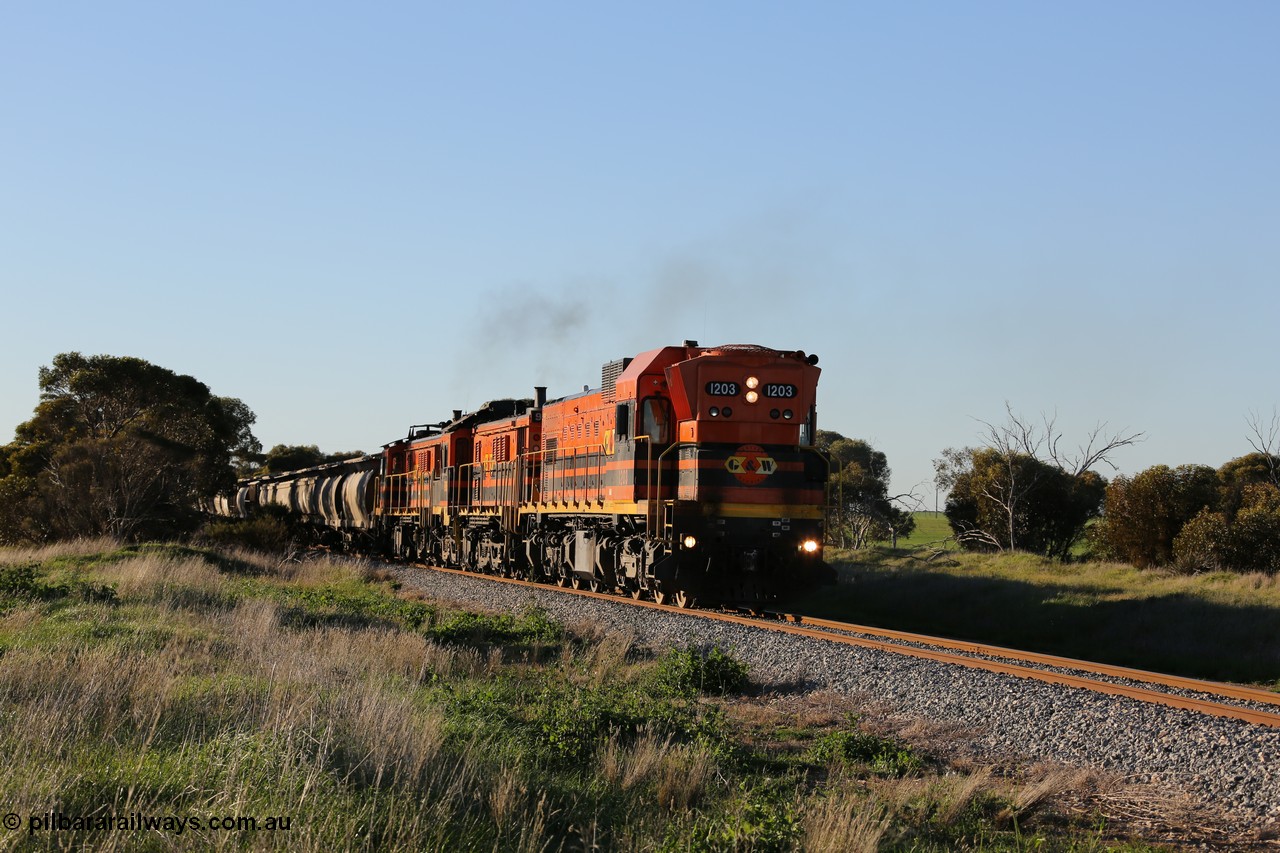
722	389
772	390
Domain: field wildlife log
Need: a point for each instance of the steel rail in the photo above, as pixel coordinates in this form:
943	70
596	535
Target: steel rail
1215	688
823	629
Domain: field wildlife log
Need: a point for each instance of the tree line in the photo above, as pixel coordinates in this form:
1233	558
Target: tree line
1019	491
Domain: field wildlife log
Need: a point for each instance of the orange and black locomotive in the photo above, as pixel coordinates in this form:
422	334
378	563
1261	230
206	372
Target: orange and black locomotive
689	474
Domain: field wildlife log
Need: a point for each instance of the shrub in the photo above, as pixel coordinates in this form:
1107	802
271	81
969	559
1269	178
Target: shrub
1247	541
266	532
533	626
690	671
1145	513
571	724
759	818
21	582
882	755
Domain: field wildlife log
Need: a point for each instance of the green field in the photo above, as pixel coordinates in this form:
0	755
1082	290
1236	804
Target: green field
1219	626
932	531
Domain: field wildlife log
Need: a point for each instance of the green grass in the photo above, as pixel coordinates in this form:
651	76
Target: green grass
174	681
1216	626
931	531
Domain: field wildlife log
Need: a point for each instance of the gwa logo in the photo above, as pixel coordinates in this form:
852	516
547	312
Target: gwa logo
751	464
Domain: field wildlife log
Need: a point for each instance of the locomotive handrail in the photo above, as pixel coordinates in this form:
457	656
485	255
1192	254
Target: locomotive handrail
400	492
471	487
648	466
531	484
569	459
657	500
389	493
406	490
653	492
828	508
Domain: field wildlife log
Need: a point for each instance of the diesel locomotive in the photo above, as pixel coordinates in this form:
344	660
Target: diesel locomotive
688	475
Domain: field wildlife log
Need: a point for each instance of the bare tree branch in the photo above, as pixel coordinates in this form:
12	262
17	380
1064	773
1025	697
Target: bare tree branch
1097	449
1266	442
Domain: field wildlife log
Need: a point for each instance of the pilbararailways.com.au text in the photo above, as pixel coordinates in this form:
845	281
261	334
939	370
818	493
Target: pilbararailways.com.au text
139	822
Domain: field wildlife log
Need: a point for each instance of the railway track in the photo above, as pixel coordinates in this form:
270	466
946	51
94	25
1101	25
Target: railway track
1140	685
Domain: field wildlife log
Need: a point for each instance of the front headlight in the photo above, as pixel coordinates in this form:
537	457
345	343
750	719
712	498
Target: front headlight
690	541
810	546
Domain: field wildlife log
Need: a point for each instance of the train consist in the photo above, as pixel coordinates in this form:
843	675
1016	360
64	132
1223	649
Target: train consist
689	474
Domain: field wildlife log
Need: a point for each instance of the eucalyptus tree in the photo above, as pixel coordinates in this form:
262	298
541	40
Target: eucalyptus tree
119	446
863	510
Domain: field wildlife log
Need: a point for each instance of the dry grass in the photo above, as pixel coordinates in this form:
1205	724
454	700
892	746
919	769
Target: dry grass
845	823
628	765
607	657
1050	783
197	692
236	714
10	555
269	718
682	777
678	773
166	580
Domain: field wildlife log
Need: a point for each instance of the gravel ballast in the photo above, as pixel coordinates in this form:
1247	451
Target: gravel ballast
1227	765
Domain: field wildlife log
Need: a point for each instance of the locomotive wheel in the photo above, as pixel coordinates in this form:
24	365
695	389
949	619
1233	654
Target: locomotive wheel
637	593
684	599
662	597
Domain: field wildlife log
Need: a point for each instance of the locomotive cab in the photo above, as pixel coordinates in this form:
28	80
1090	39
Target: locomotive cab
737	491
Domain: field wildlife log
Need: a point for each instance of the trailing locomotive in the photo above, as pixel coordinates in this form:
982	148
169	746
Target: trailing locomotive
689	474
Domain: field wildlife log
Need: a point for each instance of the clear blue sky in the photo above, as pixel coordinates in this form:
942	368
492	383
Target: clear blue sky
359	216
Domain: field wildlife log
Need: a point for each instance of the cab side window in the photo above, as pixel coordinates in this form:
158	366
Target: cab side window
656	420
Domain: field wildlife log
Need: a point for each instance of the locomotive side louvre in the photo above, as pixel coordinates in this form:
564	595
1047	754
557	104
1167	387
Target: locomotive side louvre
501	474
578	453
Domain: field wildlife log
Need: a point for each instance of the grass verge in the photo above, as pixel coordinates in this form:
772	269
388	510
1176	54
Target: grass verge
1218	626
163	697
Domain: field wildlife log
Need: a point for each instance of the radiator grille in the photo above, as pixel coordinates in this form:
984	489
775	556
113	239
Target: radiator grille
609	378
